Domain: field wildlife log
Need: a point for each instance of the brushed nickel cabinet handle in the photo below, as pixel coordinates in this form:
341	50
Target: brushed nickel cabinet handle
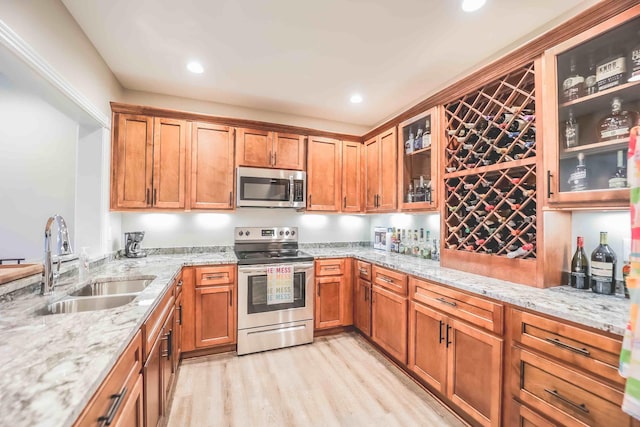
385	279
444	301
557	342
180	316
214	276
579	406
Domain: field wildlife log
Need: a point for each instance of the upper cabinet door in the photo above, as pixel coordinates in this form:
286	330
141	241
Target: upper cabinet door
387	201
372	173
591	96
288	151
323	177
169	160
211	167
351	177
132	162
254	148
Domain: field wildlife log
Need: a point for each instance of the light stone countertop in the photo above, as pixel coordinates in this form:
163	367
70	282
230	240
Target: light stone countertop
50	366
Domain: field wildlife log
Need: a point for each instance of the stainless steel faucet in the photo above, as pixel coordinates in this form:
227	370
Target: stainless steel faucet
63	247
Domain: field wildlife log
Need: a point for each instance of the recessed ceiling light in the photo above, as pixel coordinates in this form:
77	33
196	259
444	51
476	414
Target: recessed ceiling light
195	67
356	98
472	5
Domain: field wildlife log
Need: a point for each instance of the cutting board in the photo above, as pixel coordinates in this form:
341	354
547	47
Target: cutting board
18	271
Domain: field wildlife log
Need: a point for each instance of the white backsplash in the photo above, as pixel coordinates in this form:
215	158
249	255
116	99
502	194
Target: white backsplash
404	221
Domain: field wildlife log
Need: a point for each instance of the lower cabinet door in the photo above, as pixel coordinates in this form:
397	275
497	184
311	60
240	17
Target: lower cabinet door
132	414
329	301
152	372
389	322
215	316
474	371
176	337
166	359
428	345
529	418
362	307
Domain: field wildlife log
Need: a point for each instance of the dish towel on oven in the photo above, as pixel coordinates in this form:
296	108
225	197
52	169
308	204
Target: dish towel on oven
630	354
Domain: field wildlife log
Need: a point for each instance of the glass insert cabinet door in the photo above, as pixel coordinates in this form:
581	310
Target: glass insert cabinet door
418	161
592	99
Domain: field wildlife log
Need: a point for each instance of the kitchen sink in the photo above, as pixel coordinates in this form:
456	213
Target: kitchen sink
112	287
74	305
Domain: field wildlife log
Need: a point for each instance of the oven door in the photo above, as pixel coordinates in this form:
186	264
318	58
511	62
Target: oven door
253	310
271	188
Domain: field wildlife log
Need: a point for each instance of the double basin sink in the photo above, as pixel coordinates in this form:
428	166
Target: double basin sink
98	295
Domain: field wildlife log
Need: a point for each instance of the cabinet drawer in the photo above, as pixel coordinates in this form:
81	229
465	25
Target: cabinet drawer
529	418
215	275
593	352
152	327
330	267
565	395
478	311
117	387
363	270
389	279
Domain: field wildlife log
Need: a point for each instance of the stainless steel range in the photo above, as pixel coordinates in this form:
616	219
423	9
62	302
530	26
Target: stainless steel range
275	289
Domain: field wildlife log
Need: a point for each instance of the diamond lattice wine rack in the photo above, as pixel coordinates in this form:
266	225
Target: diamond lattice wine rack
490	209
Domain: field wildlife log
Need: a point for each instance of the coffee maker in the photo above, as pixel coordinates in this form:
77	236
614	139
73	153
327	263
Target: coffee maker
132	241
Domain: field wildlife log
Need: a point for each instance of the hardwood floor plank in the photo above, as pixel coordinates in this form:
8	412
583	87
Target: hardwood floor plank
338	380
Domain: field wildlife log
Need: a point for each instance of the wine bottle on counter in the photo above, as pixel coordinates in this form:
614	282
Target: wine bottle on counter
619	178
573	86
571	131
580	267
618	124
603	268
578	178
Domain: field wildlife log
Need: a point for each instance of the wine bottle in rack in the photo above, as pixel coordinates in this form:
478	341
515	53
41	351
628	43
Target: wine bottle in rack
578	178
521	251
603	268
571	131
580	267
573	86
619	177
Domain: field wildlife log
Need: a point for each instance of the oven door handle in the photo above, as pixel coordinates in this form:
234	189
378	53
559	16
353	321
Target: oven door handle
262	269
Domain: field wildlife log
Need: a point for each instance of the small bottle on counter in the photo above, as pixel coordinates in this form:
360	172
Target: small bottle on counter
603	268
579	267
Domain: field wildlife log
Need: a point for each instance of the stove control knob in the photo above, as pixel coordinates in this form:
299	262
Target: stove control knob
293	232
240	233
246	233
281	232
287	233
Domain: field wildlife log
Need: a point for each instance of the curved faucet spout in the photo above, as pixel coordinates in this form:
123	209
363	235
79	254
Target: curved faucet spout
63	247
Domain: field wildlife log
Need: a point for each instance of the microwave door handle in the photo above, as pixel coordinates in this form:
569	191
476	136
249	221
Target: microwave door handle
291	191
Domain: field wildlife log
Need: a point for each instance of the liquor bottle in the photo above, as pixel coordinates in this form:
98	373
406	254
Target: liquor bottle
590	82
619	178
420	194
573	86
426	136
603	268
394	240
580	267
421	243
410	194
578	178
571	131
618	124
417	142
416	247
401	241
408	144
435	250
612	71
634	61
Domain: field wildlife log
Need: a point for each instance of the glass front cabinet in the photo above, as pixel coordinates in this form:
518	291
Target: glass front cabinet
418	162
592	99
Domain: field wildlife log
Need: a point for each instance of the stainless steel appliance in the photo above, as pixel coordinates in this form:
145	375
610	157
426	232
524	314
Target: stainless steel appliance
271	188
261	325
132	242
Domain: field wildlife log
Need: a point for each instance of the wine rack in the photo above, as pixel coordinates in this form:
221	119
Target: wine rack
490	213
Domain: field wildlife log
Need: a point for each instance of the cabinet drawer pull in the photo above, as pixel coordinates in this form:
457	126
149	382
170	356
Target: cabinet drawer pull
581	407
557	342
214	276
549	192
345	202
364	271
331	267
385	279
448	342
167	338
230	198
106	420
146	200
309	200
155	196
230	297
440	337
180	315
444	301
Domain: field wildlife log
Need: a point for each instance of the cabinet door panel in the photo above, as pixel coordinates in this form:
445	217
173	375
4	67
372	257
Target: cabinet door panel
389	322
351	177
289	151
329	297
133	161
177	335
131	414
475	371
211	167
323	174
169	163
372	173
388	171
153	386
254	148
362	307
215	320
427	345
166	360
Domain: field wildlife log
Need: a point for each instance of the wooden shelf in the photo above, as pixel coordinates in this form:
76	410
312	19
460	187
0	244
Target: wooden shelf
422	150
605	93
597	147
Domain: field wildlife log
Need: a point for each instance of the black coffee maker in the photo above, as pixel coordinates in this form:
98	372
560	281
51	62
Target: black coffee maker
132	242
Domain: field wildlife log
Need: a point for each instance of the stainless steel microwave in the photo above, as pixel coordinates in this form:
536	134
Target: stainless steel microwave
271	188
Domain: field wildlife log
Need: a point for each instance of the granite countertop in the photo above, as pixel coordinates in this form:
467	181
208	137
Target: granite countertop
50	366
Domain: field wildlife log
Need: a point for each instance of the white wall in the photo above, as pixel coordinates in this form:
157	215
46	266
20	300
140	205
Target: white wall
37	170
213	229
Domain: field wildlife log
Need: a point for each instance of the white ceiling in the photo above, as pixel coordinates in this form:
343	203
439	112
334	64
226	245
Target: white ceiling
307	57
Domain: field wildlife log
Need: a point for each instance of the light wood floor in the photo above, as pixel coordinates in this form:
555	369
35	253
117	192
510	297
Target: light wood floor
336	381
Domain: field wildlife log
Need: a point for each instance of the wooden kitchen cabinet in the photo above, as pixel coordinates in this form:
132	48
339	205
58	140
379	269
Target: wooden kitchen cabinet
362	297
389	312
167	355
153	390
351	176
457	359
212	171
324	167
148	162
334	300
119	398
177	335
381	172
215	306
260	148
